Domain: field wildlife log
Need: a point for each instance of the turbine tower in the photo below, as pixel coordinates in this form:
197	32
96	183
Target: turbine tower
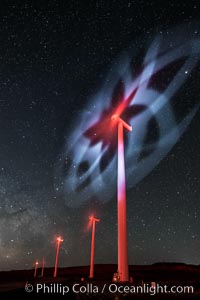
93	220
36	267
59	241
121	202
42	270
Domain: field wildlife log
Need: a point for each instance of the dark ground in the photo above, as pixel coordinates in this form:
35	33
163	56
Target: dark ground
12	283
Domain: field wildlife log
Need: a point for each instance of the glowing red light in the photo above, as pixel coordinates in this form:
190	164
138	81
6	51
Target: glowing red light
91	218
59	239
119	120
114	117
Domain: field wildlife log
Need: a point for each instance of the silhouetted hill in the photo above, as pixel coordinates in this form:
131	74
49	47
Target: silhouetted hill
12	283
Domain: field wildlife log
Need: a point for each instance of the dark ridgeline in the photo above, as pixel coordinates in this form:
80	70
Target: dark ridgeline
12	283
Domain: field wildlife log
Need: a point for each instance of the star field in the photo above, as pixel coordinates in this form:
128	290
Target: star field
53	57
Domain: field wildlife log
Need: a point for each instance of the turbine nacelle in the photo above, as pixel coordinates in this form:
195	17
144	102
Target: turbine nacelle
59	239
93	219
119	120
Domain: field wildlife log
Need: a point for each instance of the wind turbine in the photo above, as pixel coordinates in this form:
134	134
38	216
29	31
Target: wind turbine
93	220
59	241
42	271
36	267
121	202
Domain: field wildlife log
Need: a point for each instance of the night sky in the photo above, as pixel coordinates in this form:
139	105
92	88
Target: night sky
54	57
